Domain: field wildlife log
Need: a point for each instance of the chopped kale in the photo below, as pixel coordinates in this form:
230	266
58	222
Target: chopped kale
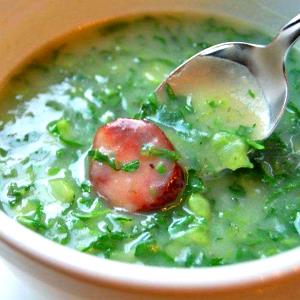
149	150
148	107
251	94
130	166
63	129
17	193
170	92
237	190
276	158
150	253
113	163
161	168
103	158
194	183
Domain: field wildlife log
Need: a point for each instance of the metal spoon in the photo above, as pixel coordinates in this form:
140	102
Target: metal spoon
265	63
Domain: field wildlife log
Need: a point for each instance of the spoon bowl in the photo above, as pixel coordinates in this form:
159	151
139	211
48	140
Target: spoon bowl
265	63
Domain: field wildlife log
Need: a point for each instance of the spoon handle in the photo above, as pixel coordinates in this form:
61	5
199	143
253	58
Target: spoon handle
287	36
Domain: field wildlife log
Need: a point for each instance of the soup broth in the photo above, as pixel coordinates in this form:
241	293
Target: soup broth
233	208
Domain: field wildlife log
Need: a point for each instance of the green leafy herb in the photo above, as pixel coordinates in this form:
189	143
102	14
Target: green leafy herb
244	131
58	231
31	223
275	158
107	242
53	171
122	218
3	152
150	253
283	190
54	105
160	168
251	93
160	39
31	215
149	150
168	119
131	166
194	183
63	129
237	190
148	107
103	158
255	145
86	187
18	192
170	92
212	104
179	226
88	208
215	103
113	163
90	215
10	173
297	223
216	261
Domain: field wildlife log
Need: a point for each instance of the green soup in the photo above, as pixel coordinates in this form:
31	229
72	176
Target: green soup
235	207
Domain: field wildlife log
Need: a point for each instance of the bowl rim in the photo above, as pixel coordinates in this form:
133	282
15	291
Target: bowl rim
101	271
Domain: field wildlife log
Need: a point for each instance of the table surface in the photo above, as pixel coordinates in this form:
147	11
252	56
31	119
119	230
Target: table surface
11	288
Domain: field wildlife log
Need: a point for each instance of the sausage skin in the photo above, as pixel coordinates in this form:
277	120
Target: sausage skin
144	189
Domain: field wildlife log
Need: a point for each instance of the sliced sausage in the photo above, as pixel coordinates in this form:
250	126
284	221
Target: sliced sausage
144	189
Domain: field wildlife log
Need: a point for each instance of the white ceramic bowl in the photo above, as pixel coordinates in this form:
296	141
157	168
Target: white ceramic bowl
57	272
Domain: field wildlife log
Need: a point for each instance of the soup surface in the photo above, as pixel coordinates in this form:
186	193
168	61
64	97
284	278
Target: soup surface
242	197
